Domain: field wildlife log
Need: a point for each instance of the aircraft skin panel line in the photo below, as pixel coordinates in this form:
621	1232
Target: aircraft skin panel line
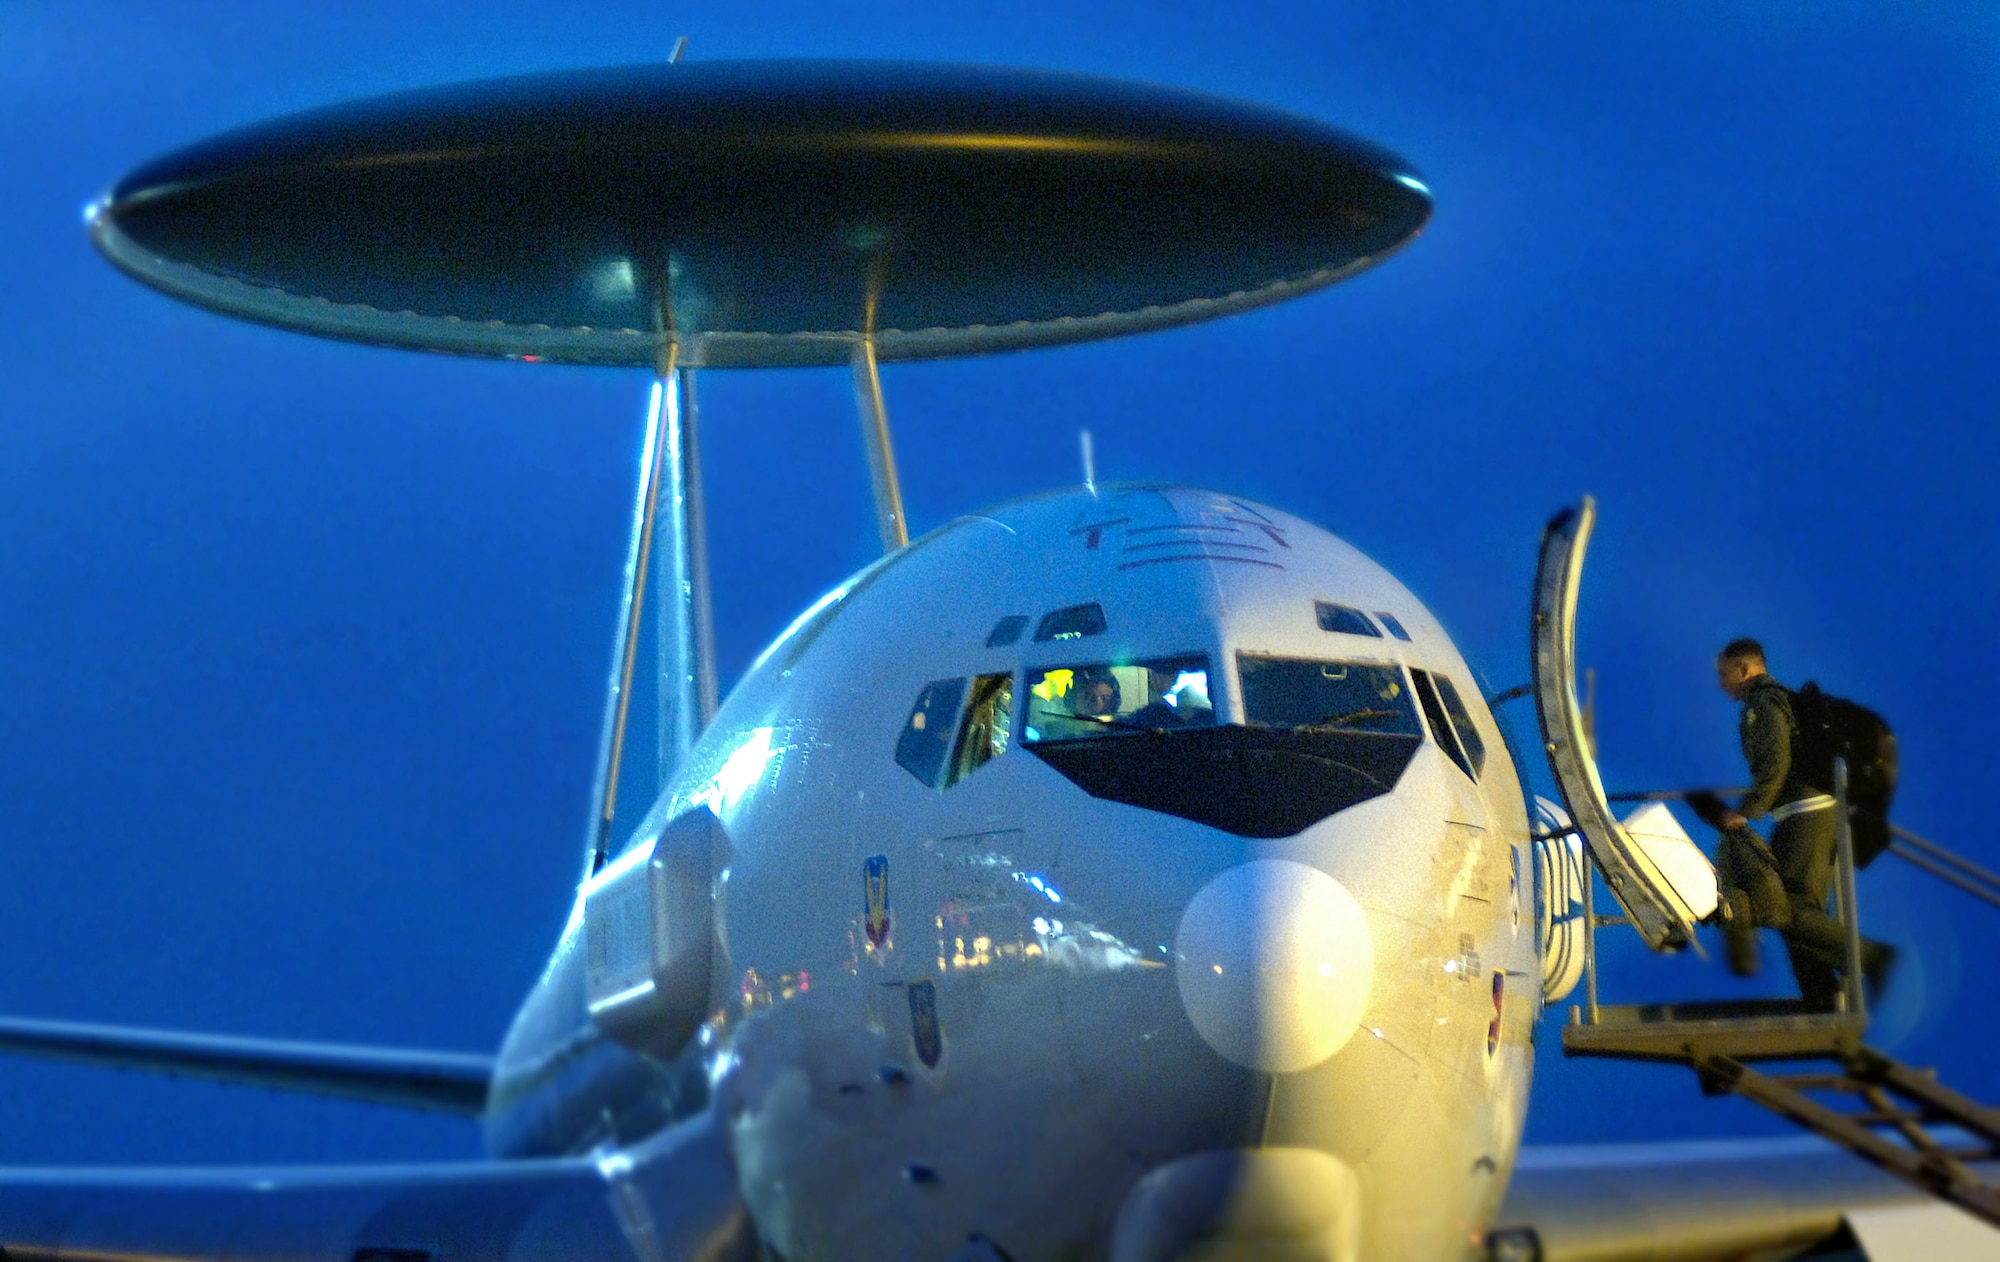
444	1082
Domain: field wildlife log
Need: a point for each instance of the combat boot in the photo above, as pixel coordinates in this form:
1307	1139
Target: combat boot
1739	932
1878	960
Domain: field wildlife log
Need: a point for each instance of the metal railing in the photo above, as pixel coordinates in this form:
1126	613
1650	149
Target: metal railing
1850	911
1851	998
1920	852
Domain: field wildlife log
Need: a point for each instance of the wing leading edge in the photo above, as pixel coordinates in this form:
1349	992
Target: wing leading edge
444	1082
1710	1201
670	1199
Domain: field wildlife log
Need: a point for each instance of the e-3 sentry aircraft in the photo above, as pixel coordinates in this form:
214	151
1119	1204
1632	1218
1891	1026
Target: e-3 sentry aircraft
1130	872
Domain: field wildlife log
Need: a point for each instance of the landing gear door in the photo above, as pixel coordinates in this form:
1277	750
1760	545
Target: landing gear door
1657	912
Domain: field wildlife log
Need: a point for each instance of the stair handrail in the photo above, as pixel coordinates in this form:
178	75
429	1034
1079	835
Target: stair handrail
1920	852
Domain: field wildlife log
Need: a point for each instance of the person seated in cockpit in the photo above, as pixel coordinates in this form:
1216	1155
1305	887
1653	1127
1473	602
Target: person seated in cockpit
1067	703
1094	694
1177	701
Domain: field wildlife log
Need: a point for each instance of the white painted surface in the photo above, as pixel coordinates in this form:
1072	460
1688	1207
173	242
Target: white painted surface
1674	855
1275	963
1924	1233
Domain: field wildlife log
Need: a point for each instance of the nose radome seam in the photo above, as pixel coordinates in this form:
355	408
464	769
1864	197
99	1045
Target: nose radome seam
1274	963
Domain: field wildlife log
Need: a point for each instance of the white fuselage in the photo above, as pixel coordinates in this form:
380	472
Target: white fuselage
983	972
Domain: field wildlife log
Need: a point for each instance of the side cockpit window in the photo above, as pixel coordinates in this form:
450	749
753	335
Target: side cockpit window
988	728
1340	618
1086	702
1461	720
1395	626
927	734
1442	728
1308	695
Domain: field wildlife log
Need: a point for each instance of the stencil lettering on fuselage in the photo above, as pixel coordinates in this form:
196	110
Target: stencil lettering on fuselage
1464	852
1158	526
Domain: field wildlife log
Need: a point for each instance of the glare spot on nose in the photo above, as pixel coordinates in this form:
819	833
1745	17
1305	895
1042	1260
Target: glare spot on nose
1274	965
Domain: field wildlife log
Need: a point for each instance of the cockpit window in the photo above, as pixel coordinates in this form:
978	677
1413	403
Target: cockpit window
1395	626
1086	702
1461	719
1321	737
927	736
988	729
1007	630
1441	729
1340	618
1073	623
1308	695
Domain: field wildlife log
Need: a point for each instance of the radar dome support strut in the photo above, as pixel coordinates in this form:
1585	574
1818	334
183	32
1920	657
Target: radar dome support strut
688	685
669	471
889	520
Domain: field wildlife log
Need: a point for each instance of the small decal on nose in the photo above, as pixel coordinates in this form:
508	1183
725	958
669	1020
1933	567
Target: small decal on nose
877	900
1514	888
924	1031
1499	998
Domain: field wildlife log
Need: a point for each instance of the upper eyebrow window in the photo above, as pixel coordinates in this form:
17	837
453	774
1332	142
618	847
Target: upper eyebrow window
1395	628
1007	630
1340	618
1073	623
927	736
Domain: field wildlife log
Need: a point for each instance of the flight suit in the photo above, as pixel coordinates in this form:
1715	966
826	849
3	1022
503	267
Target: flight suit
1785	887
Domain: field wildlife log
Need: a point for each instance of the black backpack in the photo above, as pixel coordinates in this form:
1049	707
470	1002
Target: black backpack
1826	727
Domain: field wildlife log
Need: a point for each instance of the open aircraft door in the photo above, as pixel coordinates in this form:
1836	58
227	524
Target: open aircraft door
1641	876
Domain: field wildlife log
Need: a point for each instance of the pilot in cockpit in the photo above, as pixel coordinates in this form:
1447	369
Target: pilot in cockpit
1178	699
1086	702
1095	694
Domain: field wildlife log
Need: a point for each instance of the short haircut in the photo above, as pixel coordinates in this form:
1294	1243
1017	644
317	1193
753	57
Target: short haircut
1742	649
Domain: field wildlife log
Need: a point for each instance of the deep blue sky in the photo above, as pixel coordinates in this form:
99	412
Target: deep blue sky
302	645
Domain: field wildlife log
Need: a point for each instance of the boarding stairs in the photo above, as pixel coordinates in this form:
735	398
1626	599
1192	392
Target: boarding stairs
1808	1066
1813	1067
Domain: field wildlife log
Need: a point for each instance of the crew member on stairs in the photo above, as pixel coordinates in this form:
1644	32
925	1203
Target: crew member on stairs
1783	885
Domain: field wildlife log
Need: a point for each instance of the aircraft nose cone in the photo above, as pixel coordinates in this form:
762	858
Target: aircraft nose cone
1274	963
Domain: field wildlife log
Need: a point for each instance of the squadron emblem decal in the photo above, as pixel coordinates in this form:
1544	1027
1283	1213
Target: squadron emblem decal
877	904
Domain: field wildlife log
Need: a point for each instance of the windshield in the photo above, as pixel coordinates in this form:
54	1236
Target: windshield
1307	695
1089	701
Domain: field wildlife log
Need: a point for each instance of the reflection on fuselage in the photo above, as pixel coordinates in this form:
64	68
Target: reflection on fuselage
1079	842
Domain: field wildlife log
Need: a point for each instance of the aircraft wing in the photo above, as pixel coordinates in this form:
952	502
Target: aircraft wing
670	1199
442	1081
673	1199
1726	1200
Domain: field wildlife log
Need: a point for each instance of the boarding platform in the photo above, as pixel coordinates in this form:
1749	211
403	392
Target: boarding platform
1809	1066
1814	1069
